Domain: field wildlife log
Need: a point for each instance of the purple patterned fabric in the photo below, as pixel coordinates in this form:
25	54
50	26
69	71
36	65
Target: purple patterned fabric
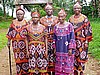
64	38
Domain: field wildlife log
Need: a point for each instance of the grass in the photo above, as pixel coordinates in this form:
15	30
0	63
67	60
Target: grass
3	40
4	24
94	46
3	27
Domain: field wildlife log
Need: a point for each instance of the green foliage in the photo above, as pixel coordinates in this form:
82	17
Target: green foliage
38	8
1	12
87	10
42	12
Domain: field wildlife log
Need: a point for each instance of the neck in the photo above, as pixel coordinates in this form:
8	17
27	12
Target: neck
62	23
77	15
20	20
49	15
35	24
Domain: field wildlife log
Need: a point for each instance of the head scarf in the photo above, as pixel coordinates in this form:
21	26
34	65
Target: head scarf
62	11
77	5
20	9
35	13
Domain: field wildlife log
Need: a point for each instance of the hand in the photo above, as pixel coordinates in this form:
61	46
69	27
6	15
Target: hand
70	52
86	45
8	43
27	55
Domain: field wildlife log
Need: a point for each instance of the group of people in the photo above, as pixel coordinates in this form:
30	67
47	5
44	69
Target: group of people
50	45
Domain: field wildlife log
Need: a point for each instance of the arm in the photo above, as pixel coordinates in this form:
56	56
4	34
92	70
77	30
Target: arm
88	32
72	43
46	42
27	47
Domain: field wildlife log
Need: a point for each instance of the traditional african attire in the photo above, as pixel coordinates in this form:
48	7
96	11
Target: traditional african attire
16	33
64	38
37	49
83	33
49	22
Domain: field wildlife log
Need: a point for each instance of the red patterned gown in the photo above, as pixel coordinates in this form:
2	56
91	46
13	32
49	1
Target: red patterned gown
49	23
17	34
83	35
38	63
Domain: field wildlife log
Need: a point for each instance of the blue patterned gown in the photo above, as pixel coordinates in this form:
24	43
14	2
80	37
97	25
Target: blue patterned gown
64	38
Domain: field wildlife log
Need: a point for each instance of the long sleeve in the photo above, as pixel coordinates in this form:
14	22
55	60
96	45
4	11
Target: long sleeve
72	43
9	34
88	31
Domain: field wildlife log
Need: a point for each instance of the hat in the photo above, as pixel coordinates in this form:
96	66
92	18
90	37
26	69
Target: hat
62	11
48	6
77	5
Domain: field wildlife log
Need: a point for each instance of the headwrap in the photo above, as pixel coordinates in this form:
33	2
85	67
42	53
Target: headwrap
77	5
48	6
62	11
35	13
19	8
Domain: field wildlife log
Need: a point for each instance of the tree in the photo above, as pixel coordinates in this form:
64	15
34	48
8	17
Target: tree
10	3
99	8
4	9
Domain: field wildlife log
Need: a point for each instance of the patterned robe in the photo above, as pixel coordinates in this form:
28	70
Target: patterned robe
64	38
37	49
16	33
49	23
83	35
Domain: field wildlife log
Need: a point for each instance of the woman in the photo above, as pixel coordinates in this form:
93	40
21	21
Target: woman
16	34
37	44
83	35
65	46
49	22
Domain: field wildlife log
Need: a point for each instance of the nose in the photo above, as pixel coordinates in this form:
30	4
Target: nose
60	18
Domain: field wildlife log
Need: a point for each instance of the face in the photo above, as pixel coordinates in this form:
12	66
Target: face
77	10
35	18
20	15
49	11
61	18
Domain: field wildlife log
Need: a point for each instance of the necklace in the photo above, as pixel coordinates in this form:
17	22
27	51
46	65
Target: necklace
49	20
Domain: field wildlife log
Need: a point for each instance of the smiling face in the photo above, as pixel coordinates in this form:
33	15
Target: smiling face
77	10
20	15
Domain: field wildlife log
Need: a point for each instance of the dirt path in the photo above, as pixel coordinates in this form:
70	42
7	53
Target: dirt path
92	67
